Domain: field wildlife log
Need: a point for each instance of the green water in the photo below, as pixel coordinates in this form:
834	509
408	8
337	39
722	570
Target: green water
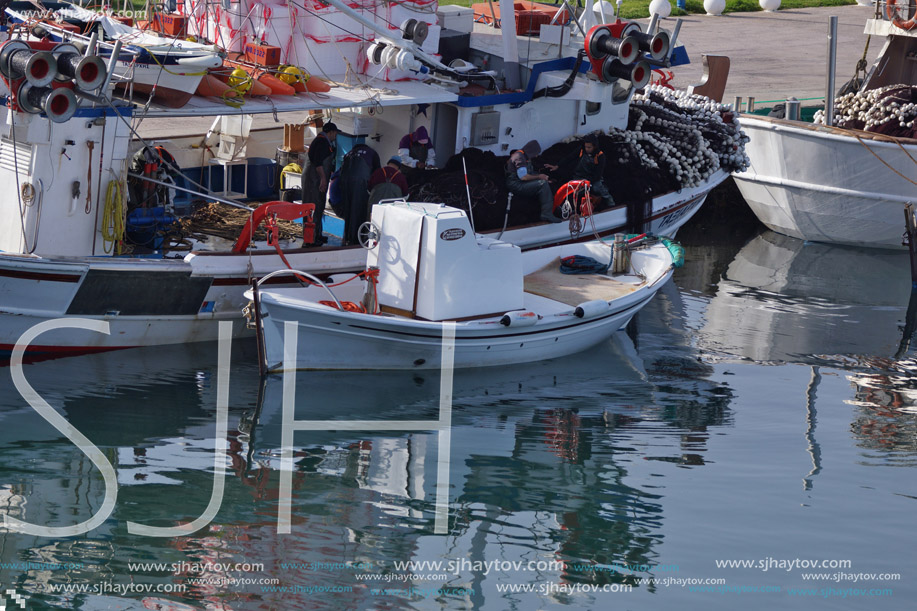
761	410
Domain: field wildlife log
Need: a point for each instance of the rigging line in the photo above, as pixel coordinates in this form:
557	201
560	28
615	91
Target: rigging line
25	239
883	161
320	18
204	190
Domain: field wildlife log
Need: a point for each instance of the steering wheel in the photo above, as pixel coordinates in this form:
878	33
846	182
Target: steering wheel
368	235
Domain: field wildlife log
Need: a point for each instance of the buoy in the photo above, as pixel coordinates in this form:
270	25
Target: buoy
274	83
290	74
212	86
240	80
278	87
317	85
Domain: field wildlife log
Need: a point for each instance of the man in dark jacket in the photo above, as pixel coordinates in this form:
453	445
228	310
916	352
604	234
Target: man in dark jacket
591	167
315	176
521	179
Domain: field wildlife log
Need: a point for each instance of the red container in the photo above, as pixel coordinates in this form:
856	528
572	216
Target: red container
263	55
173	25
530	22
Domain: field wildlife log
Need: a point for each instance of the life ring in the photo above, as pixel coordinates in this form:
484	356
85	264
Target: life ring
891	11
575	191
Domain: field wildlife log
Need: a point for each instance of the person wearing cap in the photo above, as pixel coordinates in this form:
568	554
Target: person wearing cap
416	151
521	179
591	166
315	176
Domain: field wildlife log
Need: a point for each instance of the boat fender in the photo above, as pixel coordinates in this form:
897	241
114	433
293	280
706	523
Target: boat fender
519	319
589	309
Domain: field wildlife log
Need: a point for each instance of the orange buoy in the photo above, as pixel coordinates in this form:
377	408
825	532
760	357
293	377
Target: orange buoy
212	86
249	87
317	85
277	86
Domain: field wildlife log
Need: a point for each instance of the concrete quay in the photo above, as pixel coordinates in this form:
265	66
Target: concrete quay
775	55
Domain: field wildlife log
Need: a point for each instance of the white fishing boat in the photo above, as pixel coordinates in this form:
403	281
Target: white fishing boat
848	182
435	278
75	245
169	70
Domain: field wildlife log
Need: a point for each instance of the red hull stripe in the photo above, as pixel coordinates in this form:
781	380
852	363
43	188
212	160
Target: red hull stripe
247	282
11	273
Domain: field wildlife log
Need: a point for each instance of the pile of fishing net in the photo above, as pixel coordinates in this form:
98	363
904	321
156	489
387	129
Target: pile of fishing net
224	221
891	111
673	141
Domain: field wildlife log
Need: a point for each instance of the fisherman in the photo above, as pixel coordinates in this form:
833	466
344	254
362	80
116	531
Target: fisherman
387	182
357	167
591	167
521	179
416	150
315	176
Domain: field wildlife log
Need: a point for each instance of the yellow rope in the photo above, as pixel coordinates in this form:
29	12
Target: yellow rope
113	217
883	161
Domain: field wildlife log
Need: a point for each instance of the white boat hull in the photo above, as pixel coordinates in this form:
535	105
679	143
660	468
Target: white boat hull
330	339
55	282
825	184
145	302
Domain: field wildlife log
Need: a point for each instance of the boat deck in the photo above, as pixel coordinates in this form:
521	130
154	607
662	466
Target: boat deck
574	289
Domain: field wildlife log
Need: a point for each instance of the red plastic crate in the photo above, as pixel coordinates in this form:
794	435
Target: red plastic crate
530	22
263	55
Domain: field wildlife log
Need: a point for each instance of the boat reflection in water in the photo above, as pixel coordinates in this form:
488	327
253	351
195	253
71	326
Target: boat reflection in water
785	300
782	300
549	462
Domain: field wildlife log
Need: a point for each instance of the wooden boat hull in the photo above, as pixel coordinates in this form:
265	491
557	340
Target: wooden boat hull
827	184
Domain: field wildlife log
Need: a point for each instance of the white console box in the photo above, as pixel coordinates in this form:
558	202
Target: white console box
458	18
431	264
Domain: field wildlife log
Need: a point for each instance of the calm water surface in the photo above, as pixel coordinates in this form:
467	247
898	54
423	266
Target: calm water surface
762	409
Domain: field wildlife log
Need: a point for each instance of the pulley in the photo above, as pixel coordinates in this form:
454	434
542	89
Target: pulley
600	43
18	60
88	73
58	103
638	73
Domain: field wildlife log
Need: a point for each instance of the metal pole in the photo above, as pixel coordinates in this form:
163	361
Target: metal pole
832	66
751	103
910	225
792	109
112	64
215	198
737	105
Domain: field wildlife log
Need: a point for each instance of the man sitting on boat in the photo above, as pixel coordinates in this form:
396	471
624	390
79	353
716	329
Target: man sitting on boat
416	150
521	179
315	176
591	167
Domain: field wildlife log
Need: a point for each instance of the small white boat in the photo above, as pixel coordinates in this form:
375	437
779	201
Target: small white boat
834	183
435	275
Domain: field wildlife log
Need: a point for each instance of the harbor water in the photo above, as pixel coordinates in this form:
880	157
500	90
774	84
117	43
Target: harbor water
749	441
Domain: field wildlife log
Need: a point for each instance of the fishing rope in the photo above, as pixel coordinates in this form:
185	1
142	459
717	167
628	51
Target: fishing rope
860	140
